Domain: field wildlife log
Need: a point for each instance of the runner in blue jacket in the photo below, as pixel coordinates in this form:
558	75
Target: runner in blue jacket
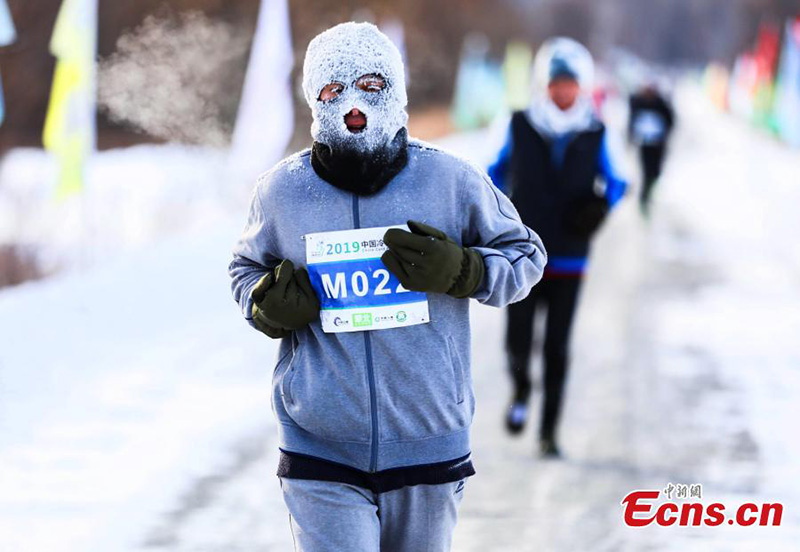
554	152
374	425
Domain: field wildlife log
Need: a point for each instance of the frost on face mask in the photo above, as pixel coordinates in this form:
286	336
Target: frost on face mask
341	55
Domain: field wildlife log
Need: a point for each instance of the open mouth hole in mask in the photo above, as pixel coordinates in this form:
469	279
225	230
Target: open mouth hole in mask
355	120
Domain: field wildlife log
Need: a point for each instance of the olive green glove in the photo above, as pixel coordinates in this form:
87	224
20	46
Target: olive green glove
284	301
266	329
260	323
425	259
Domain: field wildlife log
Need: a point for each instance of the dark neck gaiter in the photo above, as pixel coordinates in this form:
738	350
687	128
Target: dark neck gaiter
357	172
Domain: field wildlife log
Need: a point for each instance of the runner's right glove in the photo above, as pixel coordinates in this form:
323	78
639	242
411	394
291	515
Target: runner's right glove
284	301
425	259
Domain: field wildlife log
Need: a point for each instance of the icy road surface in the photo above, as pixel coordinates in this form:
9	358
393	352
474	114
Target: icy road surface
134	402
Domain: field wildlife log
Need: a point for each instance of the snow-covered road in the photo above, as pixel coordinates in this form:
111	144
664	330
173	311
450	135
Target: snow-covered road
134	404
686	365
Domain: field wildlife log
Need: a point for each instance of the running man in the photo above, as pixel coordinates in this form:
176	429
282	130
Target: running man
554	152
372	386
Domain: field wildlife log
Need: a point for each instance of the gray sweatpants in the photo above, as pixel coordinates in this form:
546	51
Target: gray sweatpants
338	517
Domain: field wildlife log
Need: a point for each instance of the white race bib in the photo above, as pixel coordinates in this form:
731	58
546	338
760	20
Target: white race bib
356	291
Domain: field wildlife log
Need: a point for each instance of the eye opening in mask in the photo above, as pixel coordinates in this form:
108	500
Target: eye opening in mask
330	91
372	82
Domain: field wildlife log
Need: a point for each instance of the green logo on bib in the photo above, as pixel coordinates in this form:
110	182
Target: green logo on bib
362	319
401	316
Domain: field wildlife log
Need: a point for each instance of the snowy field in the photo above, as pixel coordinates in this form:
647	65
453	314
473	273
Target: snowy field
134	401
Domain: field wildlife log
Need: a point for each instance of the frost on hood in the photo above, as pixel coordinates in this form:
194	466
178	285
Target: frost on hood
543	113
342	54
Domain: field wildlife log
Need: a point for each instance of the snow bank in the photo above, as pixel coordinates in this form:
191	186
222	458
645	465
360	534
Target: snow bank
132	197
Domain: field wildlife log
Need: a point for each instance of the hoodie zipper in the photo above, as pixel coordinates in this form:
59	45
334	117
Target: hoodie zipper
373	399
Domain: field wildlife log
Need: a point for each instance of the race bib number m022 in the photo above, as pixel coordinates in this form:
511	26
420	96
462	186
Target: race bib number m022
356	291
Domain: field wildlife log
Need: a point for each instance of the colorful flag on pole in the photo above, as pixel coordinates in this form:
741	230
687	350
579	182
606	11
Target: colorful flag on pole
69	130
265	121
765	56
2	103
479	94
517	67
786	110
8	34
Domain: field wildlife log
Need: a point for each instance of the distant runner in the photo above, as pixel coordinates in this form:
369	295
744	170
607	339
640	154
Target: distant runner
553	153
649	127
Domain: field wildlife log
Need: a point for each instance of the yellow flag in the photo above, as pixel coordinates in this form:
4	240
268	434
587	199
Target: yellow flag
517	74
69	130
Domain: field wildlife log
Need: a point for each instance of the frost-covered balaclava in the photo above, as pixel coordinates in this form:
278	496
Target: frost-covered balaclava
342	54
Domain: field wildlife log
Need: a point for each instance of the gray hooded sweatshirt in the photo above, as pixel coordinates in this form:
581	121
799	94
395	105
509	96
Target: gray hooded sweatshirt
376	400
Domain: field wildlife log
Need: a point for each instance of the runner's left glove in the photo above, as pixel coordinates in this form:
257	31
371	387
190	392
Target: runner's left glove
425	259
284	301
